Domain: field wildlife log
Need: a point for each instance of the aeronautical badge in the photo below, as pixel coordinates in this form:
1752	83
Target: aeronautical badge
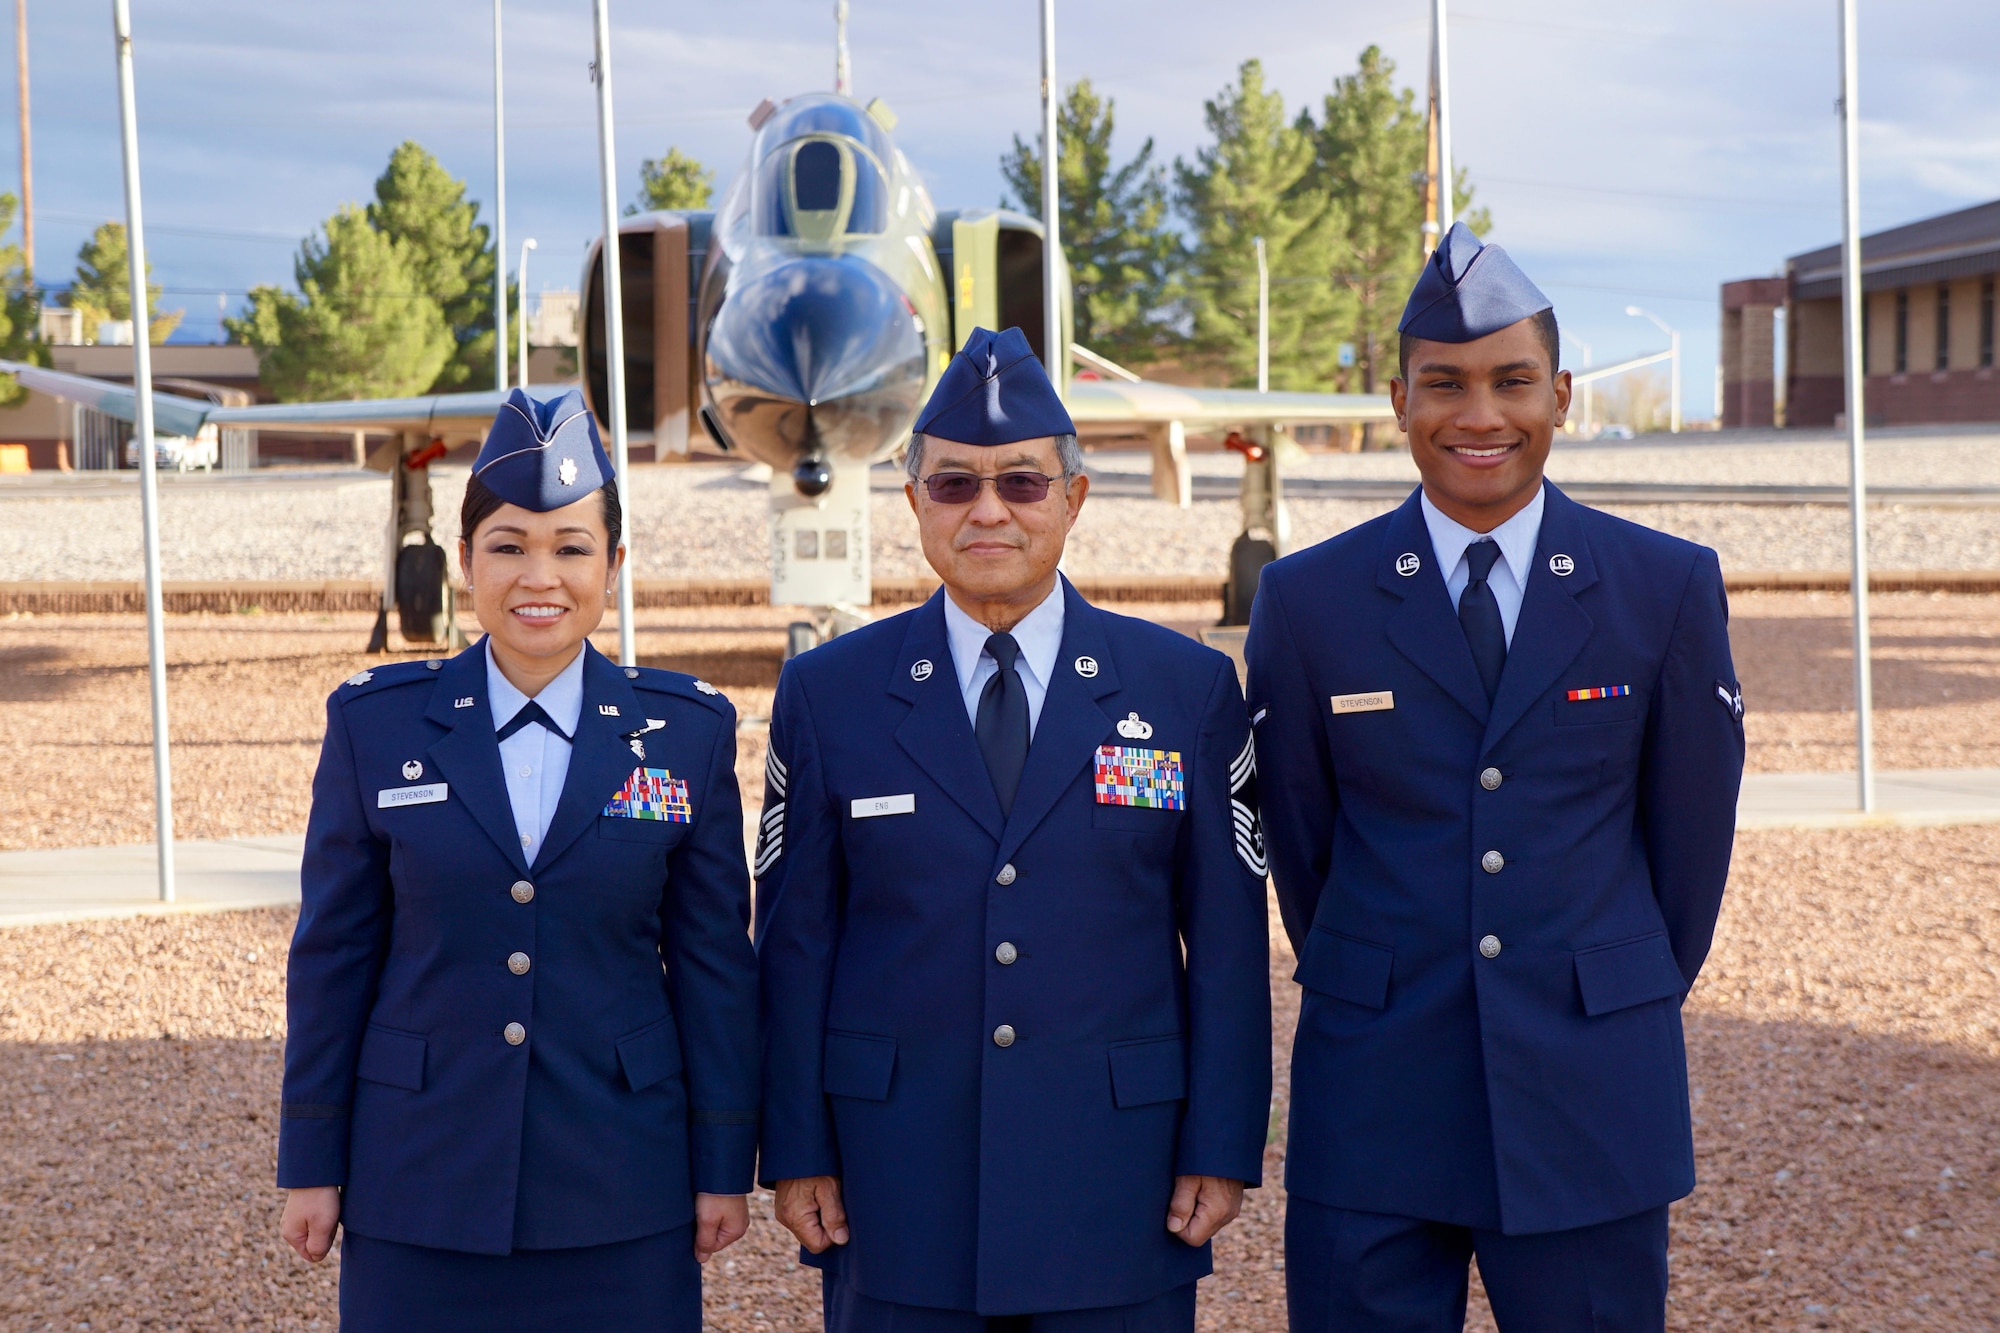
1243	814
632	737
1135	728
1732	699
412	771
706	688
359	678
1150	779
652	793
771	827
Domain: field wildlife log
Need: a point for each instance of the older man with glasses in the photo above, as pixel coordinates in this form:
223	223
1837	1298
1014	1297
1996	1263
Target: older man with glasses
1011	920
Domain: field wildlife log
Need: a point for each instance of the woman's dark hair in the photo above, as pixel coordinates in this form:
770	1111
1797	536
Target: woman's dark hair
480	503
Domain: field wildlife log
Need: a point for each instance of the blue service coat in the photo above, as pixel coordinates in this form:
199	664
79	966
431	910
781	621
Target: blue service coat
1544	1087
1033	1177
636	1083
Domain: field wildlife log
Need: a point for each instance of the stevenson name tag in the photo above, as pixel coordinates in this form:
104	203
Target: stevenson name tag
867	807
391	797
1377	702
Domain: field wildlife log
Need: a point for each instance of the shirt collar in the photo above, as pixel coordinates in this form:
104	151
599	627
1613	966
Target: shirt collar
561	698
1516	537
1039	633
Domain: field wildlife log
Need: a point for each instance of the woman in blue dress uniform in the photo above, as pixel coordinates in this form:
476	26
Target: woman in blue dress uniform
521	1065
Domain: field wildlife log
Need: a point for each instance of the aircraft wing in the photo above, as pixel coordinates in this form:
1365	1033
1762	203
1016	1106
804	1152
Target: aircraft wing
1106	402
172	414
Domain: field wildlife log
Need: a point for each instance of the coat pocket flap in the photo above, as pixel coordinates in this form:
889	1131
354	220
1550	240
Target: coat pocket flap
1149	1071
650	1055
859	1066
1617	976
392	1057
1346	968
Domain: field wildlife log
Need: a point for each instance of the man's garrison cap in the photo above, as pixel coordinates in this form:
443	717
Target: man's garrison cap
994	392
1468	290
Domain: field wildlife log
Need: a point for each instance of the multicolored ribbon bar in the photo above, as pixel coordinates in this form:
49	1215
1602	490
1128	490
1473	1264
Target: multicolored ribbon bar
652	793
1600	692
1131	775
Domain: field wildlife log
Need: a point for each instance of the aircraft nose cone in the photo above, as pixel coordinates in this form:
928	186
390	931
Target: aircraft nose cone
815	356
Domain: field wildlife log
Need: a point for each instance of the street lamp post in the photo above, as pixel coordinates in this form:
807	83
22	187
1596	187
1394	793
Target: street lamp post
1852	295
614	321
1674	335
521	277
499	214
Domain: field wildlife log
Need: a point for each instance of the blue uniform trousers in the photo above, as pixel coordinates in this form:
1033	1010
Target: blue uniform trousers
648	1285
848	1311
1352	1272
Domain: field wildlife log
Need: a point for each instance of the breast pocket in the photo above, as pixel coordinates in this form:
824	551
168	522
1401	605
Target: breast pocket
1598	712
660	833
1134	819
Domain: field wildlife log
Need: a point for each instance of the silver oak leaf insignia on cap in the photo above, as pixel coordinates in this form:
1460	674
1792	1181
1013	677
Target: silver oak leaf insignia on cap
567	472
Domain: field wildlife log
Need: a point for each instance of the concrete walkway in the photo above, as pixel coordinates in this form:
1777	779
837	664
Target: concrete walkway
93	883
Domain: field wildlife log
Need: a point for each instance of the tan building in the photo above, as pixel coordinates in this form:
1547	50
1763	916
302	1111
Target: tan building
1927	320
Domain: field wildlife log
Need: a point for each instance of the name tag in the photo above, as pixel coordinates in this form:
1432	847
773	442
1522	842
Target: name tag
1377	702
867	807
431	792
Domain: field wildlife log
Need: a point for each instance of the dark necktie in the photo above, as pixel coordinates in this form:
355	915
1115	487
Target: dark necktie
1002	725
1479	616
531	713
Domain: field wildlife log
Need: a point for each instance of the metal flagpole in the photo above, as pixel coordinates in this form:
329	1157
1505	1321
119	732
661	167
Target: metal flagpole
1052	341
1263	319
1442	68
499	214
843	72
521	276
614	320
142	430
1852	296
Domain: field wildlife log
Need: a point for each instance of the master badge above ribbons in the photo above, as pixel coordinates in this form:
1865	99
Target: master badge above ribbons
652	793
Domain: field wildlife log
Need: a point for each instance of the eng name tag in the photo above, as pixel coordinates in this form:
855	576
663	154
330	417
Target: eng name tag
1377	702
867	807
391	797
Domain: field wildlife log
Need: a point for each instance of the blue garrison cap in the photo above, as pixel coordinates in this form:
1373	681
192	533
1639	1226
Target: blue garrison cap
1468	290
542	455
994	392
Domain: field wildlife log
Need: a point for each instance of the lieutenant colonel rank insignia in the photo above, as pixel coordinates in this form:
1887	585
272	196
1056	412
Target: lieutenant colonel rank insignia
1129	775
652	793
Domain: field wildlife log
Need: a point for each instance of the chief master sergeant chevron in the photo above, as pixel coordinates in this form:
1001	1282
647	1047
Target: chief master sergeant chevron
1501	739
1011	920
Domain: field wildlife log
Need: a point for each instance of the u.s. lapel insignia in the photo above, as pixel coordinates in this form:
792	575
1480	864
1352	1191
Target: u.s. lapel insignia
412	771
359	678
1408	564
466	702
1086	666
920	670
608	710
1561	566
1135	728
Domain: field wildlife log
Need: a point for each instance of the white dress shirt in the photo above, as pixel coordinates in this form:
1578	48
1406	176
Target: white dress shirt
1040	636
1509	579
534	760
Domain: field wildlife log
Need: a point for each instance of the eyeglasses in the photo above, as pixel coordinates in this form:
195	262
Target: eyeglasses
1014	488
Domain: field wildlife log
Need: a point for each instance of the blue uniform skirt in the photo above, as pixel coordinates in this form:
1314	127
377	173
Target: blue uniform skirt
648	1285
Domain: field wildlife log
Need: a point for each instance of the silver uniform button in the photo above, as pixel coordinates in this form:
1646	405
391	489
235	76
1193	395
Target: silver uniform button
1489	947
1006	953
1003	1035
517	963
1006	875
523	891
1492	863
514	1033
1490	779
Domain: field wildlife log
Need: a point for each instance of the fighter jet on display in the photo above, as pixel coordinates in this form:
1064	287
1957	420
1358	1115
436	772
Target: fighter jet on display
800	325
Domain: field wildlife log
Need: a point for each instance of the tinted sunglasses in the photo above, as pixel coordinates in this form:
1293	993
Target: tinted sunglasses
1014	488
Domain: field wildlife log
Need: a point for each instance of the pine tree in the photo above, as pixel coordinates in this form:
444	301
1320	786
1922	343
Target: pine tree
423	208
103	286
1122	257
20	308
673	181
362	327
1255	180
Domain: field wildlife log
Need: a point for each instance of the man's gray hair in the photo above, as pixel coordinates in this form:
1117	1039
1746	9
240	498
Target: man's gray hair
1068	452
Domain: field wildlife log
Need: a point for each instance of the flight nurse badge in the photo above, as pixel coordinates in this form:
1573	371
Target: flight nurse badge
652	793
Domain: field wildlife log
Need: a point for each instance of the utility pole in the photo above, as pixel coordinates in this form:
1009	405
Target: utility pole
1851	297
27	143
614	322
1052	330
142	435
499	213
843	73
1441	95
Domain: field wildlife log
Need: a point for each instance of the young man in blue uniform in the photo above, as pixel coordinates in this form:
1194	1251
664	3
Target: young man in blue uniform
1011	920
1501	739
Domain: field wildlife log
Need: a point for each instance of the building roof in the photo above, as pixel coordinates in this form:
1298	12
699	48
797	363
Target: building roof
1952	245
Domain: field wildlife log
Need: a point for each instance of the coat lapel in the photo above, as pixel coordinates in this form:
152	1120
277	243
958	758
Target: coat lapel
1551	629
1425	628
1071	726
937	734
467	756
600	757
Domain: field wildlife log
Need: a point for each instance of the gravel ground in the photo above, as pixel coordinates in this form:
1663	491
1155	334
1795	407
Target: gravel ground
707	520
1844	1041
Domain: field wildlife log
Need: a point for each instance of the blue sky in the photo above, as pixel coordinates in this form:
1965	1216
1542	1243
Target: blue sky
1637	152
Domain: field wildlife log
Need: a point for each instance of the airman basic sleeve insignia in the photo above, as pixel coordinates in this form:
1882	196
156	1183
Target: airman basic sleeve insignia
1243	810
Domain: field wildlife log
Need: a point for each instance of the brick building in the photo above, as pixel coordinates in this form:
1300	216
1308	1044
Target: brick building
1927	323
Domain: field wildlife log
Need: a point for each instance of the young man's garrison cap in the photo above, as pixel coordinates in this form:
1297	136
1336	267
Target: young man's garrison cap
1468	290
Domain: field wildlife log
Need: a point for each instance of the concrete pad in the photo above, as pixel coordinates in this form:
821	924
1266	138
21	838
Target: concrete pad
1914	798
93	883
